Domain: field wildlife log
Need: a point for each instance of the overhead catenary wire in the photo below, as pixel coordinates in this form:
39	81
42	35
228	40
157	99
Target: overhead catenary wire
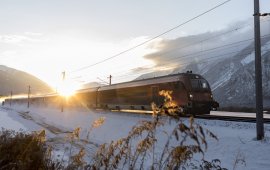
151	39
129	74
146	42
199	52
200	41
212	37
206	39
189	62
205	60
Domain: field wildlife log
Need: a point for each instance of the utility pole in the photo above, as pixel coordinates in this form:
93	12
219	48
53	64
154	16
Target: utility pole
10	98
62	100
28	99
110	80
258	72
63	75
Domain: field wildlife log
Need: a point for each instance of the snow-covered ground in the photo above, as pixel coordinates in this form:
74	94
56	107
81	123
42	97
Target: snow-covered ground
237	141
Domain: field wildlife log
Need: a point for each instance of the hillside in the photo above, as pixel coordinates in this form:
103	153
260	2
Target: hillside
232	78
236	87
18	82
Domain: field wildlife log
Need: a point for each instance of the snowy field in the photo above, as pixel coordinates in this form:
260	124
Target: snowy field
236	140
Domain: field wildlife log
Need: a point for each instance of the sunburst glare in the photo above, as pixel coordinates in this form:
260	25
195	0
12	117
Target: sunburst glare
67	88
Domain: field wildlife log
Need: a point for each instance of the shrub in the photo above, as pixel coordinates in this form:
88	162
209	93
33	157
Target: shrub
24	151
20	150
139	146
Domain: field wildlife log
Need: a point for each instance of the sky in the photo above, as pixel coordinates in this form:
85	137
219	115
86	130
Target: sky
45	38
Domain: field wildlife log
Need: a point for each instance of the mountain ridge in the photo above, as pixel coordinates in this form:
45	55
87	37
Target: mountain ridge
17	82
232	78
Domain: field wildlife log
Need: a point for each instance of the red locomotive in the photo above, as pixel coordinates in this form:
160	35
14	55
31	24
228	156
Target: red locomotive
190	91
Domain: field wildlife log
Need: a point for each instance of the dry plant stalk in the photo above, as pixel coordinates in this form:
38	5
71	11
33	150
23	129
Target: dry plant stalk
190	139
139	146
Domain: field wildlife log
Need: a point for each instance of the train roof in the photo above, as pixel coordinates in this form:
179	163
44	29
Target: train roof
142	82
133	83
87	90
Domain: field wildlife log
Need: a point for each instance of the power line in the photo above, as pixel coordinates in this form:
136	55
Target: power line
209	38
190	62
206	39
199	52
103	81
151	39
176	59
205	60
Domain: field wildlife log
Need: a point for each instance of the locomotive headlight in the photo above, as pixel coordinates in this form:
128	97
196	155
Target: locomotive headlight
190	96
211	96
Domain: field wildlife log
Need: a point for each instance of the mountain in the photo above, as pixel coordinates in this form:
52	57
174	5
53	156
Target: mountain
91	85
154	74
18	82
232	77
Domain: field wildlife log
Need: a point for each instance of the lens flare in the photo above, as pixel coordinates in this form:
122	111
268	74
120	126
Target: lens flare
67	89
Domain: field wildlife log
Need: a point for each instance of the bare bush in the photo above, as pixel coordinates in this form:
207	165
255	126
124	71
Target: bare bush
19	150
133	151
138	150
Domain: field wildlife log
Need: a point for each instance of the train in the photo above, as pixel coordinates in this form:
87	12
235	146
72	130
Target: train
190	91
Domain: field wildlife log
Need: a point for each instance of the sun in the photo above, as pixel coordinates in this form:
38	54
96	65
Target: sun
67	89
66	92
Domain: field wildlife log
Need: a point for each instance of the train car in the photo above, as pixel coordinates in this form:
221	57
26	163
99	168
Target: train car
190	91
50	100
86	97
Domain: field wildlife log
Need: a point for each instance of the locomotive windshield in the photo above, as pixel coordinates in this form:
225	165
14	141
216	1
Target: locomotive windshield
199	84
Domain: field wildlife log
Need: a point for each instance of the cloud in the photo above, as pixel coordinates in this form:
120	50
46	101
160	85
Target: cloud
17	39
33	33
9	53
185	50
141	69
12	39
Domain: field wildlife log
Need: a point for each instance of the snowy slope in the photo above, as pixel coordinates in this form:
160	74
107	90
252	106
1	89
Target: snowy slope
231	76
236	140
233	80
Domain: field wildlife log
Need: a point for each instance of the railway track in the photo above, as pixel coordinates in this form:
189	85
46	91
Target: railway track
231	118
207	117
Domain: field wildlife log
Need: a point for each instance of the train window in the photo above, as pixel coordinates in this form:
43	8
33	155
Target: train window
194	83
199	84
178	85
204	85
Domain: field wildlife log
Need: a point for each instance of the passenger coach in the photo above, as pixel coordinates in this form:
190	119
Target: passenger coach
190	91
